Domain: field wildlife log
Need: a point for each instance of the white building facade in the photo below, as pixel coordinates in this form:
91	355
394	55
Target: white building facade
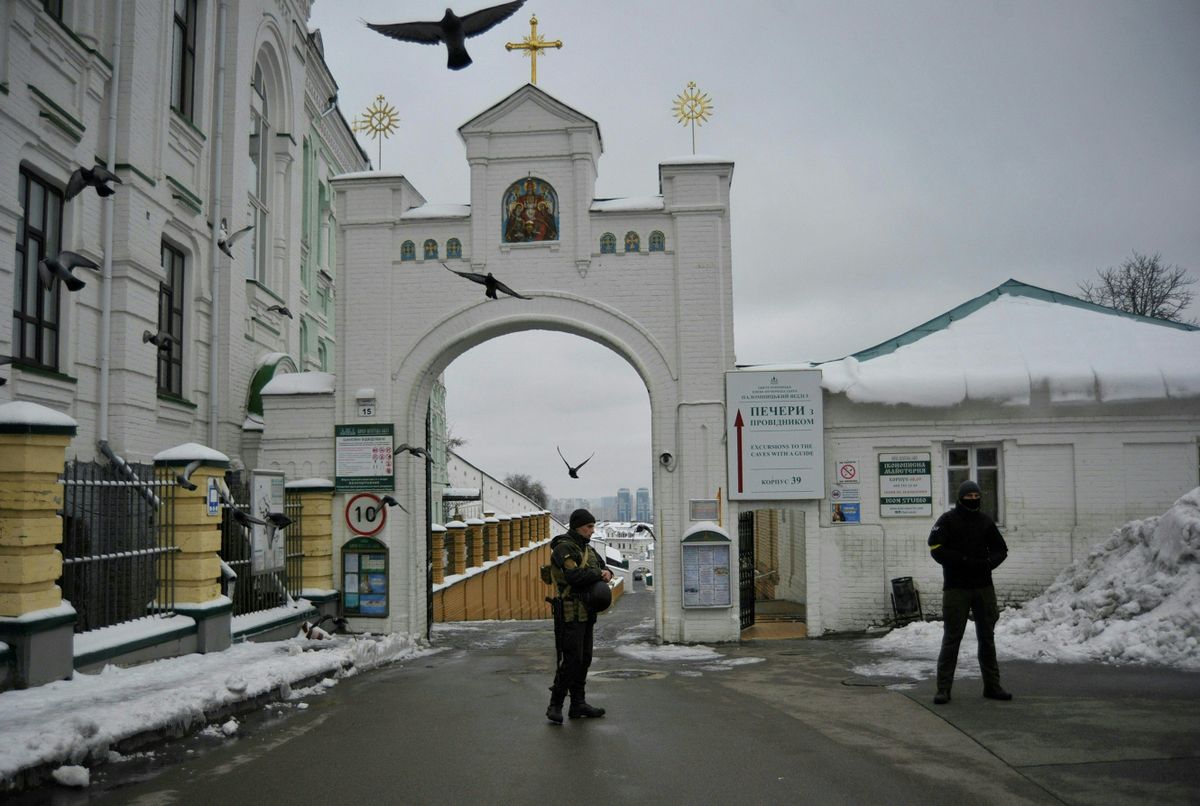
195	139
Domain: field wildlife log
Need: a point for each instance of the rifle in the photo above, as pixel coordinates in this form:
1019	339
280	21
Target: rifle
556	608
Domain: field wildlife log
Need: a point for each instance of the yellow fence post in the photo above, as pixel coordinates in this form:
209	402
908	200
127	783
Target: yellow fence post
456	534
316	541
35	622
196	582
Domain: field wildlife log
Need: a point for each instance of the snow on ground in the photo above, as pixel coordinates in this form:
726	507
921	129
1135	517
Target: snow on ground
1135	598
78	720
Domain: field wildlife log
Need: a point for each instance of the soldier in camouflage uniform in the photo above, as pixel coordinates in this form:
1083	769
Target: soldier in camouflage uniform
575	566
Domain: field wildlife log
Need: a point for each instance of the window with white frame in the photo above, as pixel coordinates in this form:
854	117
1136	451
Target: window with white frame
183	58
258	178
170	321
36	323
981	464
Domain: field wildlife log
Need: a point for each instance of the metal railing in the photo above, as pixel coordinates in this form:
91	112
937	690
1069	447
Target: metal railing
263	589
118	542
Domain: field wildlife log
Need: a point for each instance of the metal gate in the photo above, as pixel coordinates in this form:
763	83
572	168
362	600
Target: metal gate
267	589
746	567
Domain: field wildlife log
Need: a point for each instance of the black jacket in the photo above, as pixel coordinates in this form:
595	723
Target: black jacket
968	546
575	567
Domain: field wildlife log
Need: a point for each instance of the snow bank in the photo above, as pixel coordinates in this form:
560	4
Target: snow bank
1135	598
73	721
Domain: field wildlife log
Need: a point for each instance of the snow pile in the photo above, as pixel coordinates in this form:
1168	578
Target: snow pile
75	721
1134	599
668	652
72	775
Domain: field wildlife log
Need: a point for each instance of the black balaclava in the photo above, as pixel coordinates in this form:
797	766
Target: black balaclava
969	486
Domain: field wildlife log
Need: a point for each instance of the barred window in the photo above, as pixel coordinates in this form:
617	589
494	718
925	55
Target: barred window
36	308
658	242
454	248
408	251
183	58
608	244
170	321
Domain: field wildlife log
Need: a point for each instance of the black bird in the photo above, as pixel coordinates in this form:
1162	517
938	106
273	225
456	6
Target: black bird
415	450
225	241
281	309
162	341
487	281
246	519
392	502
452	29
573	472
5	359
278	520
97	177
60	266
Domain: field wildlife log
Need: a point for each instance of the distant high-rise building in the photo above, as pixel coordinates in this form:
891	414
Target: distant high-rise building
644	512
607	509
624	505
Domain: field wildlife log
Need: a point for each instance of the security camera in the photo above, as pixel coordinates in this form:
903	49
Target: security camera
666	459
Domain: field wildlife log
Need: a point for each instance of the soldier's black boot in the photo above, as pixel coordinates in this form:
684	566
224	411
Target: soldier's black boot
554	711
581	710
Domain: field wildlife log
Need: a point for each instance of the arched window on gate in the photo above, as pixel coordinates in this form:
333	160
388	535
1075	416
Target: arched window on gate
453	248
658	242
431	249
408	251
632	242
608	244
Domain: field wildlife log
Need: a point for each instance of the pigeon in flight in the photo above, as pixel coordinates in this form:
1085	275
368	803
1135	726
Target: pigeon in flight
392	502
162	341
225	241
452	29
245	519
282	309
278	520
97	177
487	281
5	359
573	472
415	450
60	266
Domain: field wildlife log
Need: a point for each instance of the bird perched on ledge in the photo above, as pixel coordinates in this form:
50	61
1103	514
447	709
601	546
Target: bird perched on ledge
451	29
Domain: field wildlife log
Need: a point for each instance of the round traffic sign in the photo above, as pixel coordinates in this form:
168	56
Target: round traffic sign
365	514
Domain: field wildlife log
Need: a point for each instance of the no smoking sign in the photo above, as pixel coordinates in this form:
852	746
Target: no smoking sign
847	471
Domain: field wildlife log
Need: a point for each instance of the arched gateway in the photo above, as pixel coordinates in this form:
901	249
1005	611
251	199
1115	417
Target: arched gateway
534	223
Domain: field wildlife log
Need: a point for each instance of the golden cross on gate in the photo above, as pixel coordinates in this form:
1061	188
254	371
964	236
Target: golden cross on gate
532	45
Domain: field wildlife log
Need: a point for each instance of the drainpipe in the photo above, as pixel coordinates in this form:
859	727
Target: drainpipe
214	400
109	225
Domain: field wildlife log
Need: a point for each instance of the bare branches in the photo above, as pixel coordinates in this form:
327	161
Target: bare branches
1143	285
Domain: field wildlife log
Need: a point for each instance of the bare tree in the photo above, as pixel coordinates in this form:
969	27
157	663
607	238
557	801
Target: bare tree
453	443
1143	285
535	491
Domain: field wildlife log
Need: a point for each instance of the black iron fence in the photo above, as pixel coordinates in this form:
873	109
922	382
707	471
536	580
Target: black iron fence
118	542
257	586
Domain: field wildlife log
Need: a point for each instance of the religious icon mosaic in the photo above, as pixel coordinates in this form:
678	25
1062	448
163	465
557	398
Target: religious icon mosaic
530	209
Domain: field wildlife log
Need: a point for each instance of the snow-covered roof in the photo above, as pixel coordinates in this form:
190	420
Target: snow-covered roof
189	452
630	204
1004	345
370	175
25	413
301	383
437	211
699	159
460	494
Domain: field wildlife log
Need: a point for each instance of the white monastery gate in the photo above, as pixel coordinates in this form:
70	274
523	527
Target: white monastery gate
649	278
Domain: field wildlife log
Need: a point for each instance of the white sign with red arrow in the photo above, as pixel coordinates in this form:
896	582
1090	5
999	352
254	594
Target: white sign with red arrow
775	434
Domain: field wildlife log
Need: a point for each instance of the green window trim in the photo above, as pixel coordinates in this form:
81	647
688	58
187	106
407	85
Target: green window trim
185	120
45	373
48	101
184	196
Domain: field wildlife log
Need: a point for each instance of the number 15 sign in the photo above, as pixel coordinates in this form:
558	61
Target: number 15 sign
365	514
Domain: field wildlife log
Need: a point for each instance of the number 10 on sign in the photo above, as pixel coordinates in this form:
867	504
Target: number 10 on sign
365	514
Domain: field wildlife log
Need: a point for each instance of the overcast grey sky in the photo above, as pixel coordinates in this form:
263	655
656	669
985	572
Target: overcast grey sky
892	160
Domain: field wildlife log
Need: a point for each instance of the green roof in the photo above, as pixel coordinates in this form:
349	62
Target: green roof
1012	288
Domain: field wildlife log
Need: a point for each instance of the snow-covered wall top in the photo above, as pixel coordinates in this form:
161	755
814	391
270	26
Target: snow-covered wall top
1013	345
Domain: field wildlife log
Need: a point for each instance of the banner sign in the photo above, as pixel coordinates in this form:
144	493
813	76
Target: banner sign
363	458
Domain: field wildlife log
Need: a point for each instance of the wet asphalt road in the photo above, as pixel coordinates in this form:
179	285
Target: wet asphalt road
467	725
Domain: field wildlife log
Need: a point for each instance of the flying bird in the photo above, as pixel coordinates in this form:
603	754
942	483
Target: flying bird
5	359
225	241
60	266
415	450
452	29
392	502
281	309
184	479
487	281
573	472
162	341
246	519
278	520
97	177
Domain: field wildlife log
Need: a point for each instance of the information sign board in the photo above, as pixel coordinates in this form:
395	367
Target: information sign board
905	485
363	458
774	432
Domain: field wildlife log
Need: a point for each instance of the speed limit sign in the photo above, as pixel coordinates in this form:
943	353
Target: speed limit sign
365	514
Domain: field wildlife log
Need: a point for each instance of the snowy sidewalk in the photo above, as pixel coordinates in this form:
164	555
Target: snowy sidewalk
71	721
